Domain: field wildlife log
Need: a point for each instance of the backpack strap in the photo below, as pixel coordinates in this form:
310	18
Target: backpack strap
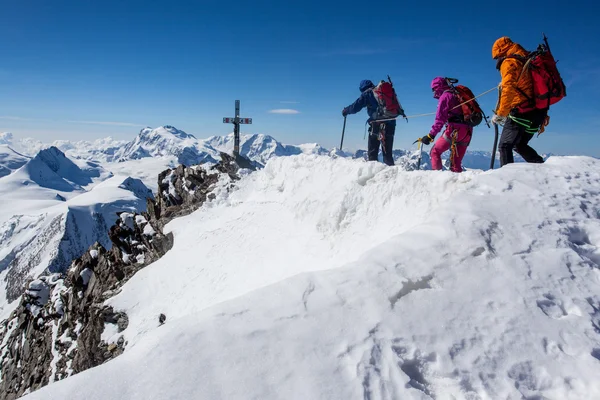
525	60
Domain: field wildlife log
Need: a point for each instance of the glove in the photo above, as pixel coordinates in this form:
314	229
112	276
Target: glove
426	140
498	120
344	112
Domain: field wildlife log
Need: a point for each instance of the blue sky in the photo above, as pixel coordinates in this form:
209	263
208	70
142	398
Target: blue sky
84	70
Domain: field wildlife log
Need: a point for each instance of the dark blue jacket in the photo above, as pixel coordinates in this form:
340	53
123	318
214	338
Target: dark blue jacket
366	99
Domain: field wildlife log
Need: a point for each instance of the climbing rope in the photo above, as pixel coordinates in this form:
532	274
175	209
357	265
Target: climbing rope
428	114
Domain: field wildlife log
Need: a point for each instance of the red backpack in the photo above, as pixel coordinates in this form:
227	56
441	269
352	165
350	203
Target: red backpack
388	104
471	110
548	86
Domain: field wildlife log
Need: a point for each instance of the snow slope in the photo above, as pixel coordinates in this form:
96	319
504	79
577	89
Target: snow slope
326	278
10	160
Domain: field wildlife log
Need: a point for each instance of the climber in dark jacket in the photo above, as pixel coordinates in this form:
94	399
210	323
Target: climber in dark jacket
378	131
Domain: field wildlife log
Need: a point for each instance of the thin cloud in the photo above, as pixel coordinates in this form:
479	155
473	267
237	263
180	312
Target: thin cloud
105	123
13	118
287	111
110	123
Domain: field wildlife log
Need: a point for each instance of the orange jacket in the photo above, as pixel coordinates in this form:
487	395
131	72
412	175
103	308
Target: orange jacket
512	74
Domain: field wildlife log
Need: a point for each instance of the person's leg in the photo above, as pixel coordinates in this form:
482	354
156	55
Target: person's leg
439	147
373	143
510	135
534	119
463	139
459	154
526	151
388	148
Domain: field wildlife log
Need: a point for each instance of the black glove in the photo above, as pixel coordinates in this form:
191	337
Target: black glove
426	140
344	112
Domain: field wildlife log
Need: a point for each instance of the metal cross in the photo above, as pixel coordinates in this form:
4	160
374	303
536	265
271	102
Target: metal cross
236	121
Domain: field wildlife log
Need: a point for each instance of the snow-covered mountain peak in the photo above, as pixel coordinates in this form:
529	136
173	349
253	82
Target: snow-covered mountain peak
50	168
54	159
164	141
137	187
164	132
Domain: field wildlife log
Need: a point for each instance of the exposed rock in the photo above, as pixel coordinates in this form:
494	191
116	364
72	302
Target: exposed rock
184	189
57	329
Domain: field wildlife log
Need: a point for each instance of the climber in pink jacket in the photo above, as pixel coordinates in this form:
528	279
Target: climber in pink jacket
457	131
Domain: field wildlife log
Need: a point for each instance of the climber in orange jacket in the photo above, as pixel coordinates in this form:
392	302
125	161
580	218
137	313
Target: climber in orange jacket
516	88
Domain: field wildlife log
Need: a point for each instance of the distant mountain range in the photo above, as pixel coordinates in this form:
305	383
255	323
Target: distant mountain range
184	148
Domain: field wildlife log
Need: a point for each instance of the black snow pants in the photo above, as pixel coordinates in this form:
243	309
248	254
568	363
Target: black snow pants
386	140
516	134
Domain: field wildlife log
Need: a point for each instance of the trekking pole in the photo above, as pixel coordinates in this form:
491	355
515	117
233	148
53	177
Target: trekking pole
343	130
495	146
420	155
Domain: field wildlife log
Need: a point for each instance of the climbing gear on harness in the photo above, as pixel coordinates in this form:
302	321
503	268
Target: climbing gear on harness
525	123
382	137
454	143
544	125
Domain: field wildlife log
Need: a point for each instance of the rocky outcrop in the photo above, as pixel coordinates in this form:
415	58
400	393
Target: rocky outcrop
62	325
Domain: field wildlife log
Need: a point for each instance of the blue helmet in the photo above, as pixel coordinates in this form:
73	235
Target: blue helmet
365	85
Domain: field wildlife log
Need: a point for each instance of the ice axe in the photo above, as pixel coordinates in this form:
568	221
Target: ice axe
343	130
495	146
420	152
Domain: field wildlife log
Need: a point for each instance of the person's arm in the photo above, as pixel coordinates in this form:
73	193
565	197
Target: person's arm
441	116
358	105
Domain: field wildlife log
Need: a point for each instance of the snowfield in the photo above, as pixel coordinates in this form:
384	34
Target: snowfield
323	278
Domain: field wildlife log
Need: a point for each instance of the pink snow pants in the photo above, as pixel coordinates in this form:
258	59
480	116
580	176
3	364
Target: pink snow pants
458	134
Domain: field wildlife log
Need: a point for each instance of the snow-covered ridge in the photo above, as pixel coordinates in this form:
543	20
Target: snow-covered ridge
325	278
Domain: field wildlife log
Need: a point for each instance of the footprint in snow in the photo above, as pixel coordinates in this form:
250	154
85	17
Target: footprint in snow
551	306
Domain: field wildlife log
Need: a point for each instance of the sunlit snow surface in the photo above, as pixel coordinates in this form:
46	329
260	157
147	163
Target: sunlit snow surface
324	278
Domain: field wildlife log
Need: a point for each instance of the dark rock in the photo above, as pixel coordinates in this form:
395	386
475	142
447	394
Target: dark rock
162	318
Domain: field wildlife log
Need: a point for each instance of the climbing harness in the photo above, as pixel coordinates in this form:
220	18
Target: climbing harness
525	123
